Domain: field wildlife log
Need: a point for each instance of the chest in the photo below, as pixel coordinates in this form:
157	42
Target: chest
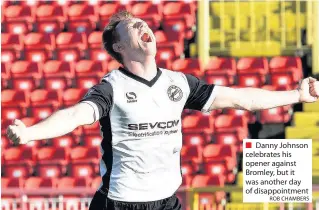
164	99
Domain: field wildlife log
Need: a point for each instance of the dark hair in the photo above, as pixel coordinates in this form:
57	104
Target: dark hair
110	36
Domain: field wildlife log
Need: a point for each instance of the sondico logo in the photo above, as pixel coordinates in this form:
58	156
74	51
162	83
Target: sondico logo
146	126
131	97
174	93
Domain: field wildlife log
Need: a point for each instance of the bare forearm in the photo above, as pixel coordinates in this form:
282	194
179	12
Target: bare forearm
58	124
254	99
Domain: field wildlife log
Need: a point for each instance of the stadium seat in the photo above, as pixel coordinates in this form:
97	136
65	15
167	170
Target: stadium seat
34	183
191	154
30	3
44	103
86	155
58	74
66	183
9	55
10	182
250	79
26	75
251	118
148	12
228	126
221	65
42	97
253	65
52	161
220	159
72	96
14	155
71	46
13	103
198	125
38	47
168	43
82	18
95	51
216	168
12	42
83	170
220	71
95	39
218	79
50	18
282	79
88	73
194	138
188	66
50	171
178	13
17	171
50	155
66	141
92	140
18	19
287	64
165	54
98	54
251	71
108	9
274	115
84	161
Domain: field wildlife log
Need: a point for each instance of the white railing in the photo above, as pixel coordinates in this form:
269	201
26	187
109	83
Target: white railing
38	203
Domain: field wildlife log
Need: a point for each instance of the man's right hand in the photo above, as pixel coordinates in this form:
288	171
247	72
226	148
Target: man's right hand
17	132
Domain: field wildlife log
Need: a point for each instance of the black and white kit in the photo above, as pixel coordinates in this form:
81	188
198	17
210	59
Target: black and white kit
141	128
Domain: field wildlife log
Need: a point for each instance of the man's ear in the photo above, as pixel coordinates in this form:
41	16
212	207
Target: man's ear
117	47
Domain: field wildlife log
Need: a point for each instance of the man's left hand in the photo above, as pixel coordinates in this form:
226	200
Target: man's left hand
309	90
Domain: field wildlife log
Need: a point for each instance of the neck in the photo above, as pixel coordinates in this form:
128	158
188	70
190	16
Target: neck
146	69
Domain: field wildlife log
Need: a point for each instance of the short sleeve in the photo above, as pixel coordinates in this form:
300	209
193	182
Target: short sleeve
201	94
100	97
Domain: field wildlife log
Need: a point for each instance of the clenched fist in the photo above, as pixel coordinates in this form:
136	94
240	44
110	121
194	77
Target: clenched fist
309	90
17	132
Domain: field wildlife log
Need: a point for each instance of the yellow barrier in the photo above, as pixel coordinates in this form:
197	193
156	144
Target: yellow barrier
311	107
259	28
302	132
306	119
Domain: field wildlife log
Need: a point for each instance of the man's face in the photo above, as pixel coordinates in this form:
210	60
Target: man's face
136	38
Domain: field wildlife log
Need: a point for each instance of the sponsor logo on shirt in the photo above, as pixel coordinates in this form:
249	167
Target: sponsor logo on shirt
174	93
131	97
153	125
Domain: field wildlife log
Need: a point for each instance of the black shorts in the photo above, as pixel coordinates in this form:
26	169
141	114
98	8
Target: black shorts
101	202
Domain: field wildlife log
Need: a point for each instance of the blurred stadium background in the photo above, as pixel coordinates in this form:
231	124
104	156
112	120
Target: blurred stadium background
51	54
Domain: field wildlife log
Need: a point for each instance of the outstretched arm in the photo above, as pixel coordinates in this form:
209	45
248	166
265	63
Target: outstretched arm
93	106
253	99
58	124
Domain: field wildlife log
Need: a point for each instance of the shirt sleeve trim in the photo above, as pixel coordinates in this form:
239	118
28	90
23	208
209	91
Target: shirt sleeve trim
210	100
96	110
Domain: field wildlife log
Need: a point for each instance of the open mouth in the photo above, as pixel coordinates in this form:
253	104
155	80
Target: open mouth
146	37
